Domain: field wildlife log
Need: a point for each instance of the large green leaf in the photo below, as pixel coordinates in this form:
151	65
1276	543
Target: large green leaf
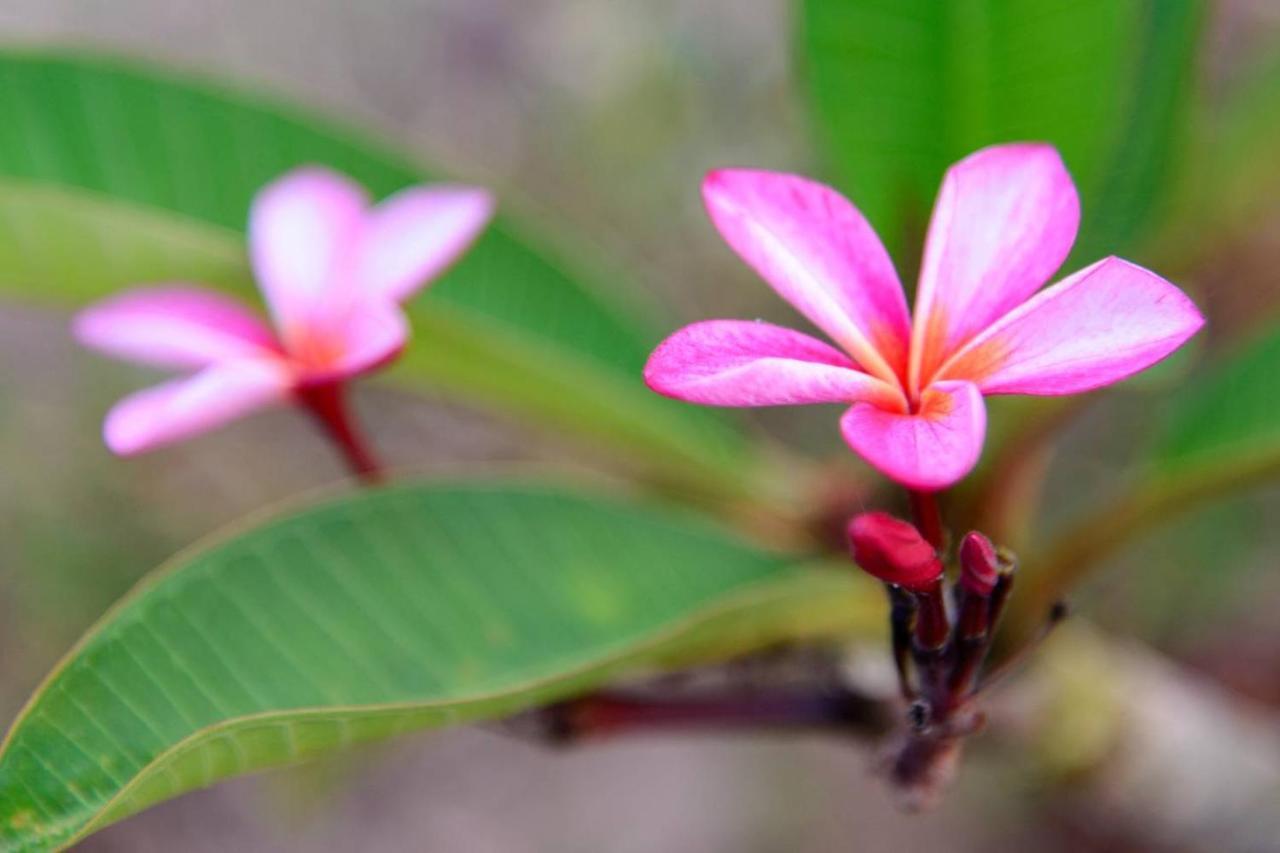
903	88
114	175
412	607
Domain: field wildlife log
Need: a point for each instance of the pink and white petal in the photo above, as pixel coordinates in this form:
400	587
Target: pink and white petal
416	234
303	234
1004	222
927	451
185	407
177	325
821	255
743	363
1098	326
370	336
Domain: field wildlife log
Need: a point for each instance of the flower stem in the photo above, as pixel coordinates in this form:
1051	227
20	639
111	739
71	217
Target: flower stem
902	615
327	403
927	516
932	628
606	714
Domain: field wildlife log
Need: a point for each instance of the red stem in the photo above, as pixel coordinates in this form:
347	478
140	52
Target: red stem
607	714
927	516
328	405
932	627
902	616
974	615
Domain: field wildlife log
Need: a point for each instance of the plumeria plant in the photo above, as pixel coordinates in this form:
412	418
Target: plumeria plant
334	272
708	580
1005	220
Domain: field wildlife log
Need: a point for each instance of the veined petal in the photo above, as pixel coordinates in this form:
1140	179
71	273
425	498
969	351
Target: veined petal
191	405
173	326
741	363
821	255
927	451
1096	327
416	234
303	234
1004	222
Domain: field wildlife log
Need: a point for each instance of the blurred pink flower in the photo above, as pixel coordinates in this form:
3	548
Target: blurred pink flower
1004	222
333	271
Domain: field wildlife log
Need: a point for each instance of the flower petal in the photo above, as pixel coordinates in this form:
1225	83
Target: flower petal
173	326
927	451
741	363
821	255
1096	327
416	234
303	233
1005	219
369	336
184	407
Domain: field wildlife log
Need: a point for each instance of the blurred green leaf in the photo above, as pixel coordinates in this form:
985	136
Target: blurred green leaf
1226	419
1232	171
116	175
370	615
902	88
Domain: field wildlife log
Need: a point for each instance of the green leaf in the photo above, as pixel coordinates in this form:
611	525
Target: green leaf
1225	420
902	88
115	175
406	608
1134	188
1232	172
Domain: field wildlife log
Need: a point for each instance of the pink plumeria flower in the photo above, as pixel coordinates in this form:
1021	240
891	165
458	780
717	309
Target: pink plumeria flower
333	270
1004	222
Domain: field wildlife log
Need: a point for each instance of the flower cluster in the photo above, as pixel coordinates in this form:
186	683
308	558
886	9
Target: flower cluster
938	651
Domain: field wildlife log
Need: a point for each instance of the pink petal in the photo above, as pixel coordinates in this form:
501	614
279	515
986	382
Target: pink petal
368	337
821	255
184	407
303	233
1004	222
416	234
927	451
741	363
173	326
1096	327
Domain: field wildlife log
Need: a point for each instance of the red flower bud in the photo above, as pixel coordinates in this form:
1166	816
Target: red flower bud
979	564
893	551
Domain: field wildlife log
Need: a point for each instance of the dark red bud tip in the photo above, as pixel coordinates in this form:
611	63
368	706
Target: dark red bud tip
893	551
979	564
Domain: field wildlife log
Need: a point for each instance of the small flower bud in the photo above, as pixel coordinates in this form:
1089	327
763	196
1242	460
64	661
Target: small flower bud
893	551
979	565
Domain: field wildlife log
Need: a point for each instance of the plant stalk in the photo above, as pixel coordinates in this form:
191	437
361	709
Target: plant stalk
327	403
927	517
611	714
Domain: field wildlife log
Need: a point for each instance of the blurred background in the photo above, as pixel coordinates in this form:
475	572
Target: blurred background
596	119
